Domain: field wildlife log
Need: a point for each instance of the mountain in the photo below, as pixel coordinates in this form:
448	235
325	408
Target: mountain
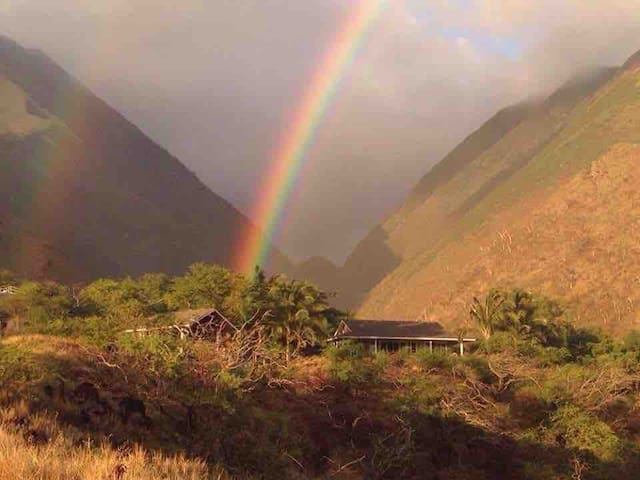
542	197
84	193
506	142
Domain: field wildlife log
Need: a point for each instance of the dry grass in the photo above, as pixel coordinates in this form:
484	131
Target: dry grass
36	448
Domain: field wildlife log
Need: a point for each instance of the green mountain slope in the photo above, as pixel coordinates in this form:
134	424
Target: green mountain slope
84	193
504	190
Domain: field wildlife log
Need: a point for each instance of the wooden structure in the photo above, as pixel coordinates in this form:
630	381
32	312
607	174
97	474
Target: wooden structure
210	324
391	335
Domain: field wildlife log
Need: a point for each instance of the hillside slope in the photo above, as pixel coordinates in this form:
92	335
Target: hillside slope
503	145
525	213
84	193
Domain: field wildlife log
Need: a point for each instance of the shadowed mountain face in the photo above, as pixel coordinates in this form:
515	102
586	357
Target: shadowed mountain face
84	193
550	206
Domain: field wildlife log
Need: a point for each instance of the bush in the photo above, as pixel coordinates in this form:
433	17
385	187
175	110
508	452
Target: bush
164	355
353	364
554	356
419	394
575	429
529	408
631	341
498	342
440	359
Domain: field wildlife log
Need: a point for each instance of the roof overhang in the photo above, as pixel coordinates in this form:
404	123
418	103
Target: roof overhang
402	339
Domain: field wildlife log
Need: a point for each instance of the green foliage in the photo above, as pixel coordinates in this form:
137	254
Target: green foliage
114	298
162	355
534	317
298	315
574	428
554	356
439	358
353	364
418	393
498	342
631	341
13	365
486	313
529	407
535	326
38	305
203	286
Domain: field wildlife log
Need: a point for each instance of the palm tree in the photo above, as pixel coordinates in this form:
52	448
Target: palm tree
298	315
486	314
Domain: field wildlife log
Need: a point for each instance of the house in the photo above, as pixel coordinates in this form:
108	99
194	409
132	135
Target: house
211	324
391	335
208	324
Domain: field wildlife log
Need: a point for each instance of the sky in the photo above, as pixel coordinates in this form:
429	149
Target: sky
216	82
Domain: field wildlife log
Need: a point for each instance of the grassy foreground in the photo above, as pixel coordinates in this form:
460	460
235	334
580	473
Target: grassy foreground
37	447
537	398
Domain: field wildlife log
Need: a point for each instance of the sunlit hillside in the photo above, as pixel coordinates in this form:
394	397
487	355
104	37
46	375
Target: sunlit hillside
433	211
498	219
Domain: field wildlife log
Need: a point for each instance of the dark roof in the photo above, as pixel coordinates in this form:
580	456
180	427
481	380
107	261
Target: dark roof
212	316
392	329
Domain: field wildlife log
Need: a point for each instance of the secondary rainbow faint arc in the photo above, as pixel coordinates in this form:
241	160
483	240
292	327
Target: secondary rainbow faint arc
288	158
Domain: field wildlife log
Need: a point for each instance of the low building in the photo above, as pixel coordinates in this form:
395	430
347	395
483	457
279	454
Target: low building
209	324
392	335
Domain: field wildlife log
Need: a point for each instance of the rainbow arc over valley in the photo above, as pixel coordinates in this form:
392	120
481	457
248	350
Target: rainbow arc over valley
289	156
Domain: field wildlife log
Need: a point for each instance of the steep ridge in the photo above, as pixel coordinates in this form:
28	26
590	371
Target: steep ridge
577	243
84	193
489	156
498	223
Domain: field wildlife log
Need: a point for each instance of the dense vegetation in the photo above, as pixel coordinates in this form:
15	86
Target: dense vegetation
537	398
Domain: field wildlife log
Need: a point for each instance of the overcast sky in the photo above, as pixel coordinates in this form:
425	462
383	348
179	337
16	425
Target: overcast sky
215	82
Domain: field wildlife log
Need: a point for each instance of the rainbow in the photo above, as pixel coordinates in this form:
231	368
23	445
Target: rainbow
288	158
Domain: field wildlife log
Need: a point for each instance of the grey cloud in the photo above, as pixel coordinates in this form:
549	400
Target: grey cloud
215	81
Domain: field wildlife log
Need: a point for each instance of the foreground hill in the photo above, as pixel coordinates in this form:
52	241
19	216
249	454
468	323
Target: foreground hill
84	193
551	206
108	382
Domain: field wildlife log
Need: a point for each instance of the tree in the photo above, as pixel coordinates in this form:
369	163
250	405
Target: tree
202	286
152	289
114	298
38	302
486	313
299	314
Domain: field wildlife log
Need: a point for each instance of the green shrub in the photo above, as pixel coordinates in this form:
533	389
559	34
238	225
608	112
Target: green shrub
418	393
163	355
479	366
588	342
439	359
529	408
554	356
353	364
577	430
631	341
498	342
